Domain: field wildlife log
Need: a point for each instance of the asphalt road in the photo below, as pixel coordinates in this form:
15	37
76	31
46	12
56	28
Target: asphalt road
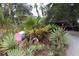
73	42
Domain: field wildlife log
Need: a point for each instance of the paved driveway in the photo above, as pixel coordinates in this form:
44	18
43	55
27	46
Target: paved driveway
73	42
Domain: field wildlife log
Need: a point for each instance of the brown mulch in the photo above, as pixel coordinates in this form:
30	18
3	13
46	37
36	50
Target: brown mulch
44	52
46	42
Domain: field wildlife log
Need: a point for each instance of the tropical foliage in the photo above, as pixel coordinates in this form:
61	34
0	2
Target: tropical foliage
59	42
35	27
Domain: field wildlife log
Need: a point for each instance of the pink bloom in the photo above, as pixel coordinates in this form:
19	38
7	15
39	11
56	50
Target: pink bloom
18	37
20	45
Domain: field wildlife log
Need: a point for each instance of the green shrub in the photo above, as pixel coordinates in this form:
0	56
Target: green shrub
59	43
1	17
9	41
50	52
34	48
16	52
29	22
32	22
10	47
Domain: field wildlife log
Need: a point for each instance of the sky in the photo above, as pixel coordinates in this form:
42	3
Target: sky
34	10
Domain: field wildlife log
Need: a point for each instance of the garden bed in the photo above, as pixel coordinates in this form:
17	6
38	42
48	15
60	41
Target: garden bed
51	40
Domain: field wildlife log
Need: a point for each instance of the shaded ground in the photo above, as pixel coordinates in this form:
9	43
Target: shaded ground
73	43
44	52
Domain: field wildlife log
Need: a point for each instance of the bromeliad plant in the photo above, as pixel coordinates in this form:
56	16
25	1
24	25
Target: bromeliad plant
34	48
25	52
8	43
40	33
16	52
10	47
59	43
